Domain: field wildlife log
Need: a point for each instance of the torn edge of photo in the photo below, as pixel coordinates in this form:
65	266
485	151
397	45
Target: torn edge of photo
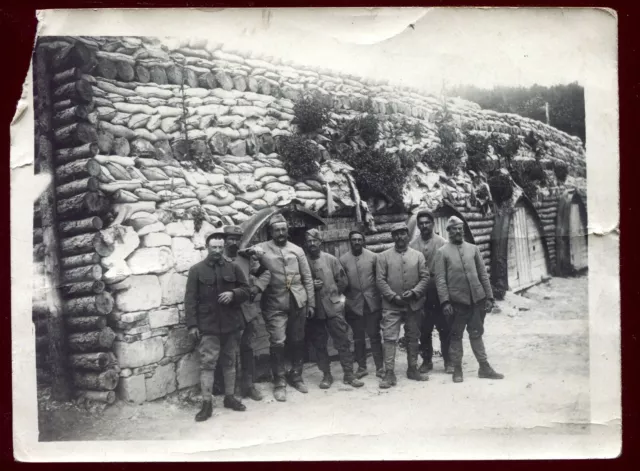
317	234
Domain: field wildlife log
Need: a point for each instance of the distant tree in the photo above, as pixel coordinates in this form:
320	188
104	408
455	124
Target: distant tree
566	103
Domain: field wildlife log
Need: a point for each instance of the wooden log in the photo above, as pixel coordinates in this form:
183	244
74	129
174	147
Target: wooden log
105	142
377	248
66	76
39	308
38	252
86	324
87	273
191	78
84	151
125	71
482	238
120	185
82	288
207	80
79	244
108	397
77	169
376	239
549	228
78	186
106	68
391	218
480	224
76	54
121	146
40	326
37	235
174	74
96	341
70	115
91	203
105	381
94	305
97	361
75	134
61	105
56	346
79	261
481	231
78	92
158	75
81	226
142	74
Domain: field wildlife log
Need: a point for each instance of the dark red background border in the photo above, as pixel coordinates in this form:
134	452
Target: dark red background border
17	29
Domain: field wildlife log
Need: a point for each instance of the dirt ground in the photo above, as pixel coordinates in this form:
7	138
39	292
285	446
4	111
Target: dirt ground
538	340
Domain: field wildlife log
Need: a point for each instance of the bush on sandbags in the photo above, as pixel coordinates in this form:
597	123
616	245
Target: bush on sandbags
310	113
300	156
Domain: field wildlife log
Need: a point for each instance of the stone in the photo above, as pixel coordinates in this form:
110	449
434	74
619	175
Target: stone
139	329
179	342
117	274
144	294
156	239
132	389
185	254
159	331
151	228
136	354
125	373
165	361
238	148
162	382
188	371
121	285
173	287
200	236
122	248
164	317
131	317
181	229
150	260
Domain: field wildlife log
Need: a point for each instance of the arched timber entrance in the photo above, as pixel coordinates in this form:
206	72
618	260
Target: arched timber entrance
571	234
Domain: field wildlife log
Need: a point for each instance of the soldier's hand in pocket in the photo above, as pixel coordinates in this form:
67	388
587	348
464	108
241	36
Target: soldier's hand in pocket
447	310
310	312
194	333
318	284
226	297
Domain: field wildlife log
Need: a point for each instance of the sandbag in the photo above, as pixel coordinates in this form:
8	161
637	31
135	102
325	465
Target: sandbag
154	173
142	148
106	113
154	122
250	197
120	119
138	120
156	92
227	210
117	130
133	108
212	199
170	124
270	197
259	173
216	110
117	171
146	195
310	194
166	111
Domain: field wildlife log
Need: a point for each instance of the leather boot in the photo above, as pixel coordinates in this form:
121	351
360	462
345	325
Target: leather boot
280	390
412	360
230	402
427	365
205	412
277	369
295	375
380	372
327	381
457	374
248	389
487	372
361	372
389	380
448	368
351	380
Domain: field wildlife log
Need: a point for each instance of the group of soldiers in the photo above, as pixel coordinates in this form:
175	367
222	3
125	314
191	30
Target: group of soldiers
309	294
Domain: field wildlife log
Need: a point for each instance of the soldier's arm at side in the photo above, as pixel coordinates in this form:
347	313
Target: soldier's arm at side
482	274
262	276
242	291
441	277
307	279
191	298
340	276
381	279
423	273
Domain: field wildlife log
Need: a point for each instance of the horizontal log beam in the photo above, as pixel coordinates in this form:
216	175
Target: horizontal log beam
76	275
96	341
105	381
77	170
90	203
85	324
81	152
75	187
97	361
82	289
80	226
94	305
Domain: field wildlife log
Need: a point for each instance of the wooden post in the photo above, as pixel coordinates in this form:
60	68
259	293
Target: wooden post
61	385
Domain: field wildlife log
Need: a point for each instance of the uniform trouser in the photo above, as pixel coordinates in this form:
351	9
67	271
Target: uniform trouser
366	324
245	362
282	326
470	317
434	317
391	323
214	347
319	330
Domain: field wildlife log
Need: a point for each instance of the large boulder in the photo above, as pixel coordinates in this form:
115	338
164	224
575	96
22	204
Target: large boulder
179	342
162	382
188	371
132	389
122	248
144	294
184	253
180	229
156	239
141	353
173	287
200	236
150	260
164	317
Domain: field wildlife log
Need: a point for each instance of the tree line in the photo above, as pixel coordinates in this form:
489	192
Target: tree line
565	102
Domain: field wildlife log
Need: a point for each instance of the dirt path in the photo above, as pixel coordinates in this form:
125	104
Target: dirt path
539	341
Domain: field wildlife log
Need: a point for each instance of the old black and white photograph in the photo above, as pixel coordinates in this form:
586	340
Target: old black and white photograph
317	234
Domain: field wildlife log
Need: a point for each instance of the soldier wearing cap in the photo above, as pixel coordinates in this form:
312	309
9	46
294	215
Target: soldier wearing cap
287	299
363	303
465	294
245	367
215	289
428	243
402	276
329	282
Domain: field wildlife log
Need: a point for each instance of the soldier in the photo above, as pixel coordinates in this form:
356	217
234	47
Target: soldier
428	243
402	276
245	369
329	281
286	302
215	288
465	294
363	304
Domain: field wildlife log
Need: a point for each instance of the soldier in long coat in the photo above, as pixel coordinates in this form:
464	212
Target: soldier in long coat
329	281
363	307
215	289
466	297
